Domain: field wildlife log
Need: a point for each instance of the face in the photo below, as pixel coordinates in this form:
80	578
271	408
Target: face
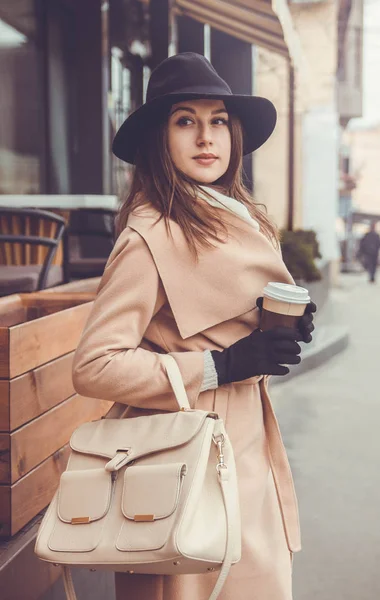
199	139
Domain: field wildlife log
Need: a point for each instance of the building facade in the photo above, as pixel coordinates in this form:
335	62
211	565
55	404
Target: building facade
331	37
364	151
72	71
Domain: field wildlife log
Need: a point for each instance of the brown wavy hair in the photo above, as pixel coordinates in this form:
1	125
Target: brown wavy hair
158	182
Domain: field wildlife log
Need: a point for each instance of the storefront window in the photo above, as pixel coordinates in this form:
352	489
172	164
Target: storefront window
20	102
129	33
120	96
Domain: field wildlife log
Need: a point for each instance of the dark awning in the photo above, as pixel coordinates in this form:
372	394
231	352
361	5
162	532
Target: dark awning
266	23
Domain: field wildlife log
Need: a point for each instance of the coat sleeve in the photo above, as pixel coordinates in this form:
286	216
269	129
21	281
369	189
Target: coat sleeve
108	362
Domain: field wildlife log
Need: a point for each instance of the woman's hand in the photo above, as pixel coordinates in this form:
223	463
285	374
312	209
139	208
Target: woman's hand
305	323
260	353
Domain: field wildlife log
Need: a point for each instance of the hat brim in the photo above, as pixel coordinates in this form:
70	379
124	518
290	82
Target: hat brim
257	115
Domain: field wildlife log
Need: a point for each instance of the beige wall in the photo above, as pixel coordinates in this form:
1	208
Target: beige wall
365	157
350	92
270	161
316	27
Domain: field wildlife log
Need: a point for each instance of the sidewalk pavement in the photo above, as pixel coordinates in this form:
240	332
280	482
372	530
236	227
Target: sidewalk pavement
329	418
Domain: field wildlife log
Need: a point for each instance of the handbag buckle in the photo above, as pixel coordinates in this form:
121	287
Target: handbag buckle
219	442
119	460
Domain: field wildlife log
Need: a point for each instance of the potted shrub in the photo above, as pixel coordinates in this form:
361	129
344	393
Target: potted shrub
300	249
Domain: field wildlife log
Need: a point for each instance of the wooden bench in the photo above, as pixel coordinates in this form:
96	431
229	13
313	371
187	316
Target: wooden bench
38	411
39	408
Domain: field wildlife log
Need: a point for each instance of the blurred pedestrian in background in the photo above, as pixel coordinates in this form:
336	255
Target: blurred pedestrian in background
368	253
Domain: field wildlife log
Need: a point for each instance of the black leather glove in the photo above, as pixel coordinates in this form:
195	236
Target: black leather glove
260	353
305	324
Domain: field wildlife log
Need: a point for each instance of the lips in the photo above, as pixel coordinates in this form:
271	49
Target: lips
205	155
205	160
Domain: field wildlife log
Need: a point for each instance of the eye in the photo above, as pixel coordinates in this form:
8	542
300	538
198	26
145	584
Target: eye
184	121
220	121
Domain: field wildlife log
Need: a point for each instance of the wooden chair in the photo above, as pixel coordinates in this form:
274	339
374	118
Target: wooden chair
29	239
88	241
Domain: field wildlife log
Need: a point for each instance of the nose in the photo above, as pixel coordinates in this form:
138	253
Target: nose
204	135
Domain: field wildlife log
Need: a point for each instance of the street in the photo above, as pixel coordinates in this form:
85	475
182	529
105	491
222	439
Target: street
330	420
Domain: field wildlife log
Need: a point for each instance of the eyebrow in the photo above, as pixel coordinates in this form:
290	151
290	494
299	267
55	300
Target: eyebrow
214	112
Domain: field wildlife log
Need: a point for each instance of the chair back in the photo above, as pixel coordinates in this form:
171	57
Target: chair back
89	239
91	233
30	236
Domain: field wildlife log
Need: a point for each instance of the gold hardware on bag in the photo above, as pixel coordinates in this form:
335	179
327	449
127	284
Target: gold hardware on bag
141	518
79	520
213	415
219	443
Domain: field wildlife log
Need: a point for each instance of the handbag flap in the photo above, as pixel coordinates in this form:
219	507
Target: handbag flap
139	436
151	492
84	496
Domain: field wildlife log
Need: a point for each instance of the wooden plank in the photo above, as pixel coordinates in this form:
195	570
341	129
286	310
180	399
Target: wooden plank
58	258
5	511
11	309
57	300
40	249
30	395
81	285
4	352
27	247
264	6
235	14
4	405
245	27
5	458
40	306
31	494
35	343
33	443
6	228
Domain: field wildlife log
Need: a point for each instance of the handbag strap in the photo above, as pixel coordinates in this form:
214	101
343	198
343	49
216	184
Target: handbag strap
176	381
175	378
68	584
227	561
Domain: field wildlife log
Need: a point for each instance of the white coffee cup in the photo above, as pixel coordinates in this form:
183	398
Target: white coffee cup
283	305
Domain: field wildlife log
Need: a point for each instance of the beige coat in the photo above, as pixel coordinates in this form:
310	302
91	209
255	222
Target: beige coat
154	298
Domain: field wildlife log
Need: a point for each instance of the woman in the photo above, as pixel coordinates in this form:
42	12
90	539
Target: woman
192	256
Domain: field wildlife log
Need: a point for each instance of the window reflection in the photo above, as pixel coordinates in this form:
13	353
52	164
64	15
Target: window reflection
20	131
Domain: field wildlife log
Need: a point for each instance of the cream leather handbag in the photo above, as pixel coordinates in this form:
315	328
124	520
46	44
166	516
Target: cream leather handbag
153	494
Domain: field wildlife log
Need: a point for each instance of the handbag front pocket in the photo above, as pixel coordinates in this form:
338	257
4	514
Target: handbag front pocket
83	501
151	495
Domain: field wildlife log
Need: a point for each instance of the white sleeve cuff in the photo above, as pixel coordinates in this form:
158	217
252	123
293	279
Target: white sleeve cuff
210	377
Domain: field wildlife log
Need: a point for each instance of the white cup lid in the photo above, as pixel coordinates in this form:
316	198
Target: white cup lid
285	292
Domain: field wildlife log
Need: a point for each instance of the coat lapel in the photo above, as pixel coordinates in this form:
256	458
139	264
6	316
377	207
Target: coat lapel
226	280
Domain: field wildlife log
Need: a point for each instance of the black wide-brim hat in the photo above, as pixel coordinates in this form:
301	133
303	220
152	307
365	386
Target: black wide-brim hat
190	76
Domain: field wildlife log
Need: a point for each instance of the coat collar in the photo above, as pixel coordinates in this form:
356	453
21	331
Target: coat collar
226	280
216	198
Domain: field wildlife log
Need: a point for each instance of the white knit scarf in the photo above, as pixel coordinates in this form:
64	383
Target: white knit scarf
231	204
